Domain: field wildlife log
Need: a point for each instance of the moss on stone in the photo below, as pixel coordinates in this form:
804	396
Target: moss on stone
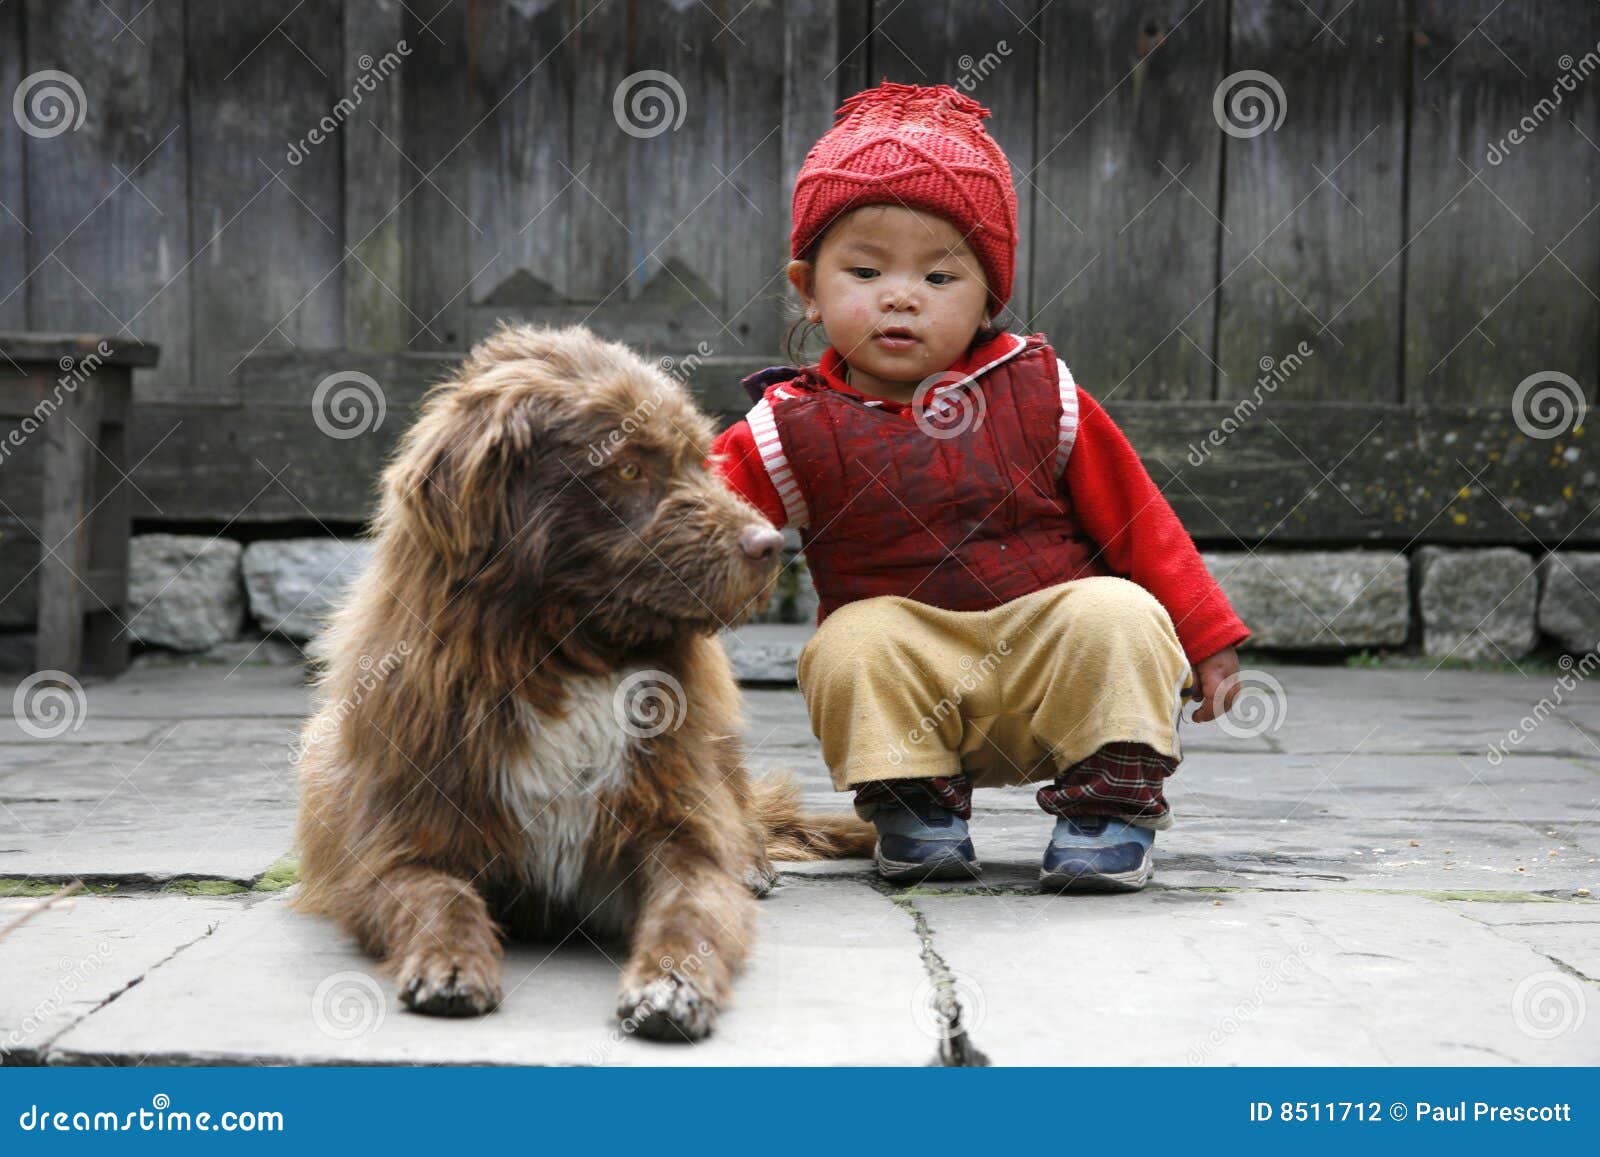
189	887
283	874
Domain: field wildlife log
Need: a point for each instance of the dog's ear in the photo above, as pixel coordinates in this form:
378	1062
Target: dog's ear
426	493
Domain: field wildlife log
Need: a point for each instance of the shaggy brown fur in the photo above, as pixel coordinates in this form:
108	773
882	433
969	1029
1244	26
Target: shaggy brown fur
528	725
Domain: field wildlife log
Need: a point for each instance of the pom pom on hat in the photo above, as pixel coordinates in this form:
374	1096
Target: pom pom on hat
923	147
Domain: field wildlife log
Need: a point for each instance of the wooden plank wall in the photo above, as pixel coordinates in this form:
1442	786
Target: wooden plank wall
487	175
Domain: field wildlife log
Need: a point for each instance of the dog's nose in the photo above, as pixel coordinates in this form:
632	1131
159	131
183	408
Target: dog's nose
760	543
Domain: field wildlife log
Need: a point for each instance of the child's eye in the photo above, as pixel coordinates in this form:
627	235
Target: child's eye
948	278
864	272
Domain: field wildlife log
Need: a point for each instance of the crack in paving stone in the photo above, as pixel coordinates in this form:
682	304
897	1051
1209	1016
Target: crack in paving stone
1561	965
956	1049
40	1054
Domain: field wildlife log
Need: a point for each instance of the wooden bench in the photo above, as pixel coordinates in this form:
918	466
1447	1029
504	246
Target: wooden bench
64	420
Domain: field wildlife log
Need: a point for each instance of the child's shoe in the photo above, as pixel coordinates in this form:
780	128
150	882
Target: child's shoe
1096	854
920	840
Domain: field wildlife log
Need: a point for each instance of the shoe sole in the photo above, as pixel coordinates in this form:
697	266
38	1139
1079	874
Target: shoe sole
945	868
1130	881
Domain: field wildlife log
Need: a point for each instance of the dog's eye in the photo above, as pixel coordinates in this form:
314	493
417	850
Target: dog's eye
628	471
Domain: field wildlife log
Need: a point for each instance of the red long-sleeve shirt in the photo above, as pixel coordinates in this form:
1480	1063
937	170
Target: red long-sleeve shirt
1118	505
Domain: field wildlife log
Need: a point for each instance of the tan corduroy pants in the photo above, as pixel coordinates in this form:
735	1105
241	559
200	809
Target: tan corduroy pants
899	689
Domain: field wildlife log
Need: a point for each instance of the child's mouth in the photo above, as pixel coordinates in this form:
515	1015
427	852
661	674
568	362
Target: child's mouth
894	341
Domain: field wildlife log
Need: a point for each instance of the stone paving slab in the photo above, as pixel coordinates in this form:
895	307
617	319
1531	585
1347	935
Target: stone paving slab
833	980
184	691
72	957
1359	817
1255	978
1223	853
208	801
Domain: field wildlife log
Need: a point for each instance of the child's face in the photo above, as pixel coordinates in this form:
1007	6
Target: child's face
887	267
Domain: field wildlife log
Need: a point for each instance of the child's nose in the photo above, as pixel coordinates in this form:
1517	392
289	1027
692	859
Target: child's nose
900	299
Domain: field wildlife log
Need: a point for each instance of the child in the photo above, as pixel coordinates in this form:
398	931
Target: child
1005	596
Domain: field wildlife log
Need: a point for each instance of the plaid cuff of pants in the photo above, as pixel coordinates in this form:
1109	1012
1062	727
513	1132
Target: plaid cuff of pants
951	792
1120	779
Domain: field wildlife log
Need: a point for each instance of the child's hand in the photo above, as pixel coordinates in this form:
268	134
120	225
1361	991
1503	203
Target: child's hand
1218	688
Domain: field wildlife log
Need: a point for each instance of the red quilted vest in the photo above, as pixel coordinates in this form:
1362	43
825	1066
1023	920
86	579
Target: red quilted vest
962	507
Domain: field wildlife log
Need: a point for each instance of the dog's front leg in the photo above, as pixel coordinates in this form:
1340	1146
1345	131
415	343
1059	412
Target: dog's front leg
435	930
695	924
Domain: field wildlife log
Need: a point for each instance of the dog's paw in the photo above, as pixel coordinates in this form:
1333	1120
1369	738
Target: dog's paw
447	984
668	1008
761	879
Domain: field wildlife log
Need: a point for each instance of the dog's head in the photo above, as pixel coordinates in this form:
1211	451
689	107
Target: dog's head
559	470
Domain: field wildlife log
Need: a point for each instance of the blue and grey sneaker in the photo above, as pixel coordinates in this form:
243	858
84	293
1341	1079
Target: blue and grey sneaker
919	840
1096	854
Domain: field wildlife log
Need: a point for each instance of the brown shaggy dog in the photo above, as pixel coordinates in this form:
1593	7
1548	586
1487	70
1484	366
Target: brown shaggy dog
529	726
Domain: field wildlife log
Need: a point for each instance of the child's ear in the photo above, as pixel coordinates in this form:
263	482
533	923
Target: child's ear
799	273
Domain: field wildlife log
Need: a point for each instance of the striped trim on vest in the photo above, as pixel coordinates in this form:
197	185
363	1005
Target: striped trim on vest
765	430
1069	416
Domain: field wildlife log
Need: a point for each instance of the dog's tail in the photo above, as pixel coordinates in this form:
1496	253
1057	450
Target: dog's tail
793	834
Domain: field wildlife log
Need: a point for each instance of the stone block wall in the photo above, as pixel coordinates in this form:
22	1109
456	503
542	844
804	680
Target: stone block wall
194	593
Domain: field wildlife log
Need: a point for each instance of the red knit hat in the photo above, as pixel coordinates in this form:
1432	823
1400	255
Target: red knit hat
921	147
